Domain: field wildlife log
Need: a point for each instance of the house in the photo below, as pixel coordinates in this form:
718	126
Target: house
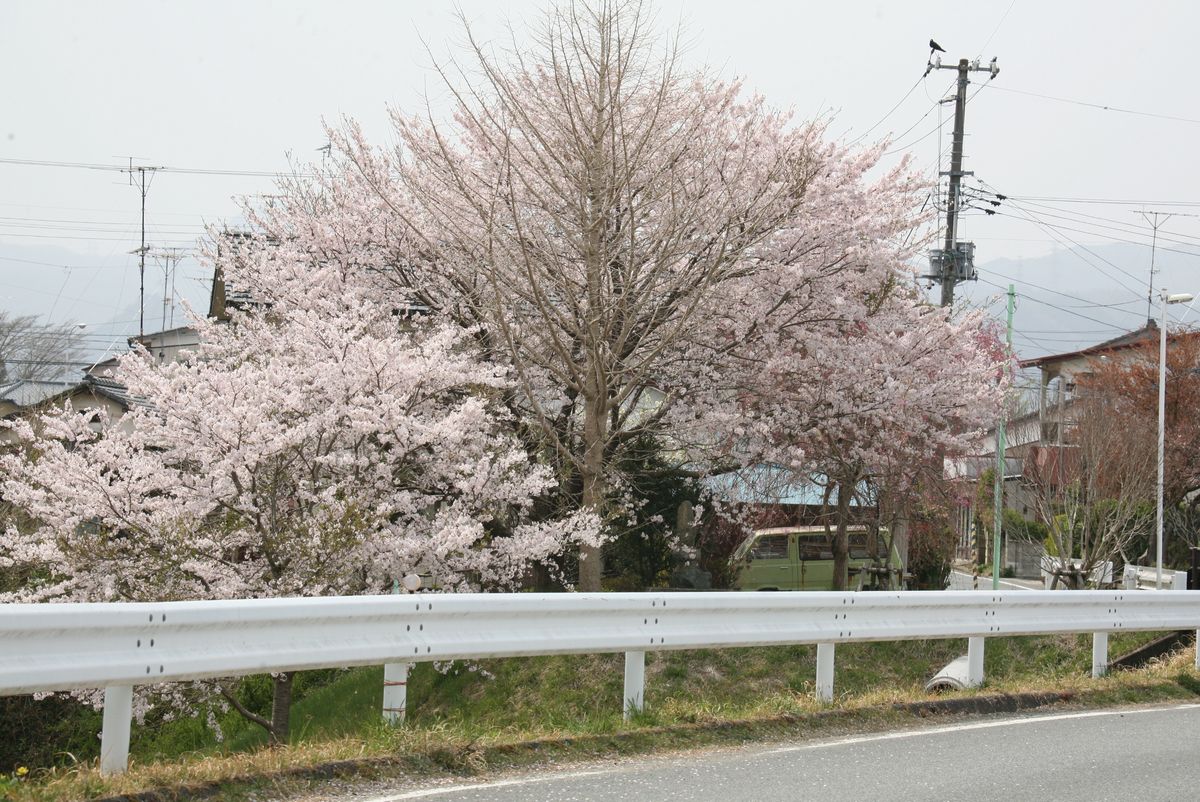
1060	374
1042	437
24	393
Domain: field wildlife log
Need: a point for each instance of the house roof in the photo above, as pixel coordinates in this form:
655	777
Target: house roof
768	484
27	392
150	337
115	391
1129	339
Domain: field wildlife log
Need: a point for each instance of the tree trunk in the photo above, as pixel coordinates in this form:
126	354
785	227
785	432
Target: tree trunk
281	708
591	558
841	541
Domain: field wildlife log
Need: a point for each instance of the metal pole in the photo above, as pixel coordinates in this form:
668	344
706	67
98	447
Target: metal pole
142	266
395	692
825	653
975	648
395	675
949	273
998	485
1162	410
1099	654
114	737
635	684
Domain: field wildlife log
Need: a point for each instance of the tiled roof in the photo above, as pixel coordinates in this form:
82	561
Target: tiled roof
27	392
114	390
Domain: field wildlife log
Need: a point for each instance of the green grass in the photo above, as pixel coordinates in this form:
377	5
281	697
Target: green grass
459	713
518	711
581	694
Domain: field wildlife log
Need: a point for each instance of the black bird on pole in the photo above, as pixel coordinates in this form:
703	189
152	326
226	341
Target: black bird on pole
934	47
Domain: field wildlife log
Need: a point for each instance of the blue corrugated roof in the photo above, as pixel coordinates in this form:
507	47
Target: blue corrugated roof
770	484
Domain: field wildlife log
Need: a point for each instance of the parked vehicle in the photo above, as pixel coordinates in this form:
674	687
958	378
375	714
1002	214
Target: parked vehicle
801	558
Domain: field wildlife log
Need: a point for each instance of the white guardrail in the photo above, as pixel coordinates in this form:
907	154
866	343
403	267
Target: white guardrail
1145	577
55	647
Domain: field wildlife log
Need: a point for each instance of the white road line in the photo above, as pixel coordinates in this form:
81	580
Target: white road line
452	789
425	793
979	725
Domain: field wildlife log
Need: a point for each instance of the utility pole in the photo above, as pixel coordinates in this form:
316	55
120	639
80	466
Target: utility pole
998	485
169	258
141	251
955	261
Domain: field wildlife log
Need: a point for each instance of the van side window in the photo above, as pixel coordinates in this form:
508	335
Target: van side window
770	547
815	547
863	546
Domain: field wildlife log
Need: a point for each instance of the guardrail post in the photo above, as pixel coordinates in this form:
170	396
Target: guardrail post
395	692
114	739
1099	654
1198	649
825	672
635	683
974	662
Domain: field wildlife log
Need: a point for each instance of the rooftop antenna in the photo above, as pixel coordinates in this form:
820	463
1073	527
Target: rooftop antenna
1151	217
143	186
169	258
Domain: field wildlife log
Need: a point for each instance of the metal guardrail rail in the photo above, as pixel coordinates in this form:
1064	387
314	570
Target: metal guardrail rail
52	647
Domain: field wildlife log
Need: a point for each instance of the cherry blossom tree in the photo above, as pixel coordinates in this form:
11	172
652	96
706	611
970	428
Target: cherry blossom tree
318	444
628	236
879	391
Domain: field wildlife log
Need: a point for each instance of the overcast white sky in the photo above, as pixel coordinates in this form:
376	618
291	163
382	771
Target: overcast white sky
242	86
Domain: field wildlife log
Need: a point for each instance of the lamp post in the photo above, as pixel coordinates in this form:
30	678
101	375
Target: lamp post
1177	298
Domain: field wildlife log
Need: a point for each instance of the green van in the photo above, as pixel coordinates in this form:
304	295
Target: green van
801	558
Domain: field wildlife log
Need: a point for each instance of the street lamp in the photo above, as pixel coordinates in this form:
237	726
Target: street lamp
1177	298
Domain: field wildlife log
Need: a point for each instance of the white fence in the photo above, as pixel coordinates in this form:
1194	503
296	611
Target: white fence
52	647
1145	577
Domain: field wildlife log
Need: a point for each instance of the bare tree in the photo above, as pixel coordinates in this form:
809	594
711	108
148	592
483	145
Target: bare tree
626	237
598	199
37	351
1095	493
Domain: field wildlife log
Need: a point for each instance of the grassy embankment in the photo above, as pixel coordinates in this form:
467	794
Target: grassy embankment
509	712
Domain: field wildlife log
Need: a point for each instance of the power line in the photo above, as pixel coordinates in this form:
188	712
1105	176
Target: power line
920	119
1131	230
1135	228
932	131
1060	228
1032	217
61	266
1037	300
996	30
1048	228
1101	106
118	168
90	239
1115	201
1086	303
890	111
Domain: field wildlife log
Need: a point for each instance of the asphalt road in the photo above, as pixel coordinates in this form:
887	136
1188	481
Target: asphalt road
960	580
1130	753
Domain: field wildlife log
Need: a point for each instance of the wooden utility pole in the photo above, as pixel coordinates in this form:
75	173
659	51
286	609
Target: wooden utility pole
955	262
